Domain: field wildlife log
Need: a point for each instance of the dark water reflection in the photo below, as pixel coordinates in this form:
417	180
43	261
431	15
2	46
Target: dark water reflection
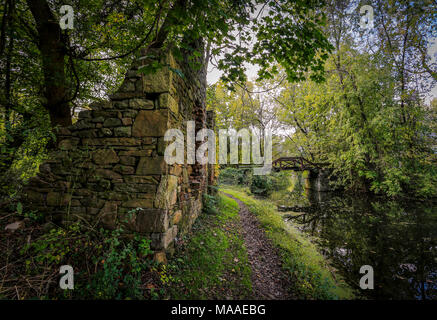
398	239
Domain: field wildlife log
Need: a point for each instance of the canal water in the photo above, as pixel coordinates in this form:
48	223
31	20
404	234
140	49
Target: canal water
397	238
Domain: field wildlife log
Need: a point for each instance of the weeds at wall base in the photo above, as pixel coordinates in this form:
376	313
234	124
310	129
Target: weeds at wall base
107	264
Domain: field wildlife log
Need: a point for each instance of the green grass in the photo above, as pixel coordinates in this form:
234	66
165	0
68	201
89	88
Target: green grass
214	262
307	268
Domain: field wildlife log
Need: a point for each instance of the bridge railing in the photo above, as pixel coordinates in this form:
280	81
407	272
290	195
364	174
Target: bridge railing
296	163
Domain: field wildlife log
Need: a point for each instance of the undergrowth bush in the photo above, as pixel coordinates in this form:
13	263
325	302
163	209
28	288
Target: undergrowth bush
265	185
261	185
210	204
235	176
281	180
107	264
124	261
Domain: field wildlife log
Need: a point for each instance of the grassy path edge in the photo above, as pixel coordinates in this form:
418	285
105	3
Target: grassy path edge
269	279
212	263
307	268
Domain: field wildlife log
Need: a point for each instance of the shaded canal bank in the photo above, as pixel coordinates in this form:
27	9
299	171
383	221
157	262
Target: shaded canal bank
397	238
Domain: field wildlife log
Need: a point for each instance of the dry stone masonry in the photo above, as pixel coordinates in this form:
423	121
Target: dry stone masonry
111	162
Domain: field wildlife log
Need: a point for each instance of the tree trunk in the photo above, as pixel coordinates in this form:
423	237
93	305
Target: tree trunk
52	50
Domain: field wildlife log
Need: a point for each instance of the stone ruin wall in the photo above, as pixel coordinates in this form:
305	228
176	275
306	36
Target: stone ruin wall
111	160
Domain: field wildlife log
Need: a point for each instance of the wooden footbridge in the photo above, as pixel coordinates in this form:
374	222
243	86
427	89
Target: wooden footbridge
296	164
319	173
290	163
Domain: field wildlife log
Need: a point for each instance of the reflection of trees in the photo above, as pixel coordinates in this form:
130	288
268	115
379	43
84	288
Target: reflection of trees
299	183
387	235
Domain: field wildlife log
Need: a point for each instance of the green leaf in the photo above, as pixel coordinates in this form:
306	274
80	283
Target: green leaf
19	208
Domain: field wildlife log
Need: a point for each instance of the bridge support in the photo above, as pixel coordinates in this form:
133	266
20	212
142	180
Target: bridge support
318	181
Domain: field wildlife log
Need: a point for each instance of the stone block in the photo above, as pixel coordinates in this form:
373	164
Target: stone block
63	131
99	105
125	95
166	196
85	114
77	210
111	142
44	168
177	216
151	220
130	113
151	123
106	104
82	192
38	182
86	133
136	153
141	179
151	165
158	82
57	199
127	86
115	196
84	124
112	122
106	132
161	146
139	85
108	214
98	119
108	174
126	160
92	211
160	257
138	203
34	196
68	144
92	201
124	169
107	114
141	195
125	141
103	185
105	156
122	104
167	101
75	203
148	143
175	170
135	187
138	103
122	131
126	121
167	237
